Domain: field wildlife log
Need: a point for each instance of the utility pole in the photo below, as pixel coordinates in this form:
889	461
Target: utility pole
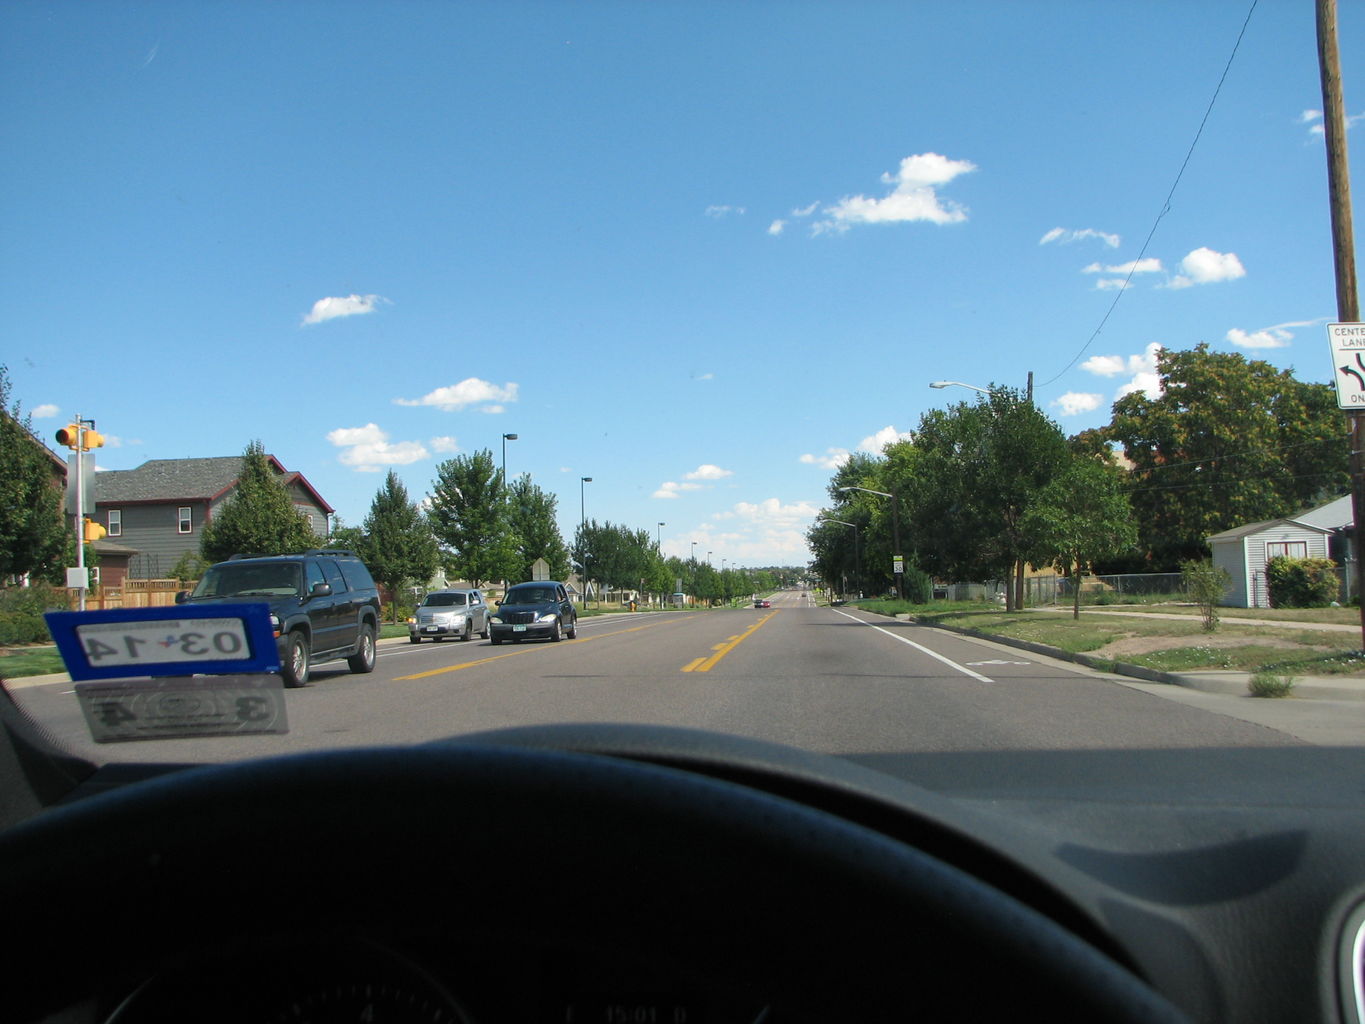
1343	255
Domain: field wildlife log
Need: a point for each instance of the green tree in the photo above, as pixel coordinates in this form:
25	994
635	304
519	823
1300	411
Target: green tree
534	522
399	547
1228	441
470	520
33	533
1081	515
260	518
968	480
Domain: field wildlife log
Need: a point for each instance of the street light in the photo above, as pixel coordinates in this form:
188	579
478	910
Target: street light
505	439
659	536
583	481
897	555
940	384
857	559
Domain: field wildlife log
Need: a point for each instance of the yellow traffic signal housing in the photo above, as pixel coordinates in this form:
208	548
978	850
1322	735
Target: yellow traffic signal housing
92	439
69	435
94	531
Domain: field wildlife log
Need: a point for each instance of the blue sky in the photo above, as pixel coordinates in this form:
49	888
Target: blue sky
696	251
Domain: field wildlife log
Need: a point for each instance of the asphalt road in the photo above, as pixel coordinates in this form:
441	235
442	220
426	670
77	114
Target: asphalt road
948	712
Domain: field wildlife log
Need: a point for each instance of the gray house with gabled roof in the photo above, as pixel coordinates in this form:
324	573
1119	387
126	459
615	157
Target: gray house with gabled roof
160	508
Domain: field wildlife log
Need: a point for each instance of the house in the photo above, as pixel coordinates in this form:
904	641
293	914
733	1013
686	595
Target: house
160	508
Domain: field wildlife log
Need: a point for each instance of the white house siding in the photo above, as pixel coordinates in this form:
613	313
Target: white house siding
1230	556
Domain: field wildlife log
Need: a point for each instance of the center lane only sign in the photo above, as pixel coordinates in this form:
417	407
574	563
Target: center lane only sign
1348	364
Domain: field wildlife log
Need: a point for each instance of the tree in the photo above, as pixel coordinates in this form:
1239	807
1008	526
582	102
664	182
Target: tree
534	522
33	534
398	547
470	520
1081	515
260	518
1228	441
967	481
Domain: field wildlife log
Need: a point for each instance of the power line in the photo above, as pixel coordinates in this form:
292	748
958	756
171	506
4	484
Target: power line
1165	207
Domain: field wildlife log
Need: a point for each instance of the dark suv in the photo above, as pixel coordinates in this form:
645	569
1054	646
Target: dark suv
540	609
323	605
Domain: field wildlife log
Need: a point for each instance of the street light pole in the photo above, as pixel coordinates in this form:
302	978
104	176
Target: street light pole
583	481
898	556
505	439
659	537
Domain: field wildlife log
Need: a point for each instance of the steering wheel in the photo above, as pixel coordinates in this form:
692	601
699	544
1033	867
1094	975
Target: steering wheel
519	834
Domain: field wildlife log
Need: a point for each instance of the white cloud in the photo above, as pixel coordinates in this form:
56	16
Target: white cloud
1205	266
351	305
1066	237
1140	368
914	197
470	391
1150	265
1073	403
806	211
707	471
46	411
672	489
832	459
367	448
1313	118
444	445
776	227
888	434
1266	338
1110	284
718	212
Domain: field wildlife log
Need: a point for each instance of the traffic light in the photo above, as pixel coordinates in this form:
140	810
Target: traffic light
94	531
72	436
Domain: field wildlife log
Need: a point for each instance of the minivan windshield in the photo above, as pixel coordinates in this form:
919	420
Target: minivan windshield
443	600
529	595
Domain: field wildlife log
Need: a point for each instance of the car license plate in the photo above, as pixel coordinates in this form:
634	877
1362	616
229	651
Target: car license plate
518	629
433	629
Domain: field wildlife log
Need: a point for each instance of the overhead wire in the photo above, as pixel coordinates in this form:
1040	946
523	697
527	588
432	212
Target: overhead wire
1165	207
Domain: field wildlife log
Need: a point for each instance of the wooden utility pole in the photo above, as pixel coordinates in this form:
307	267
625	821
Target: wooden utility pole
1343	253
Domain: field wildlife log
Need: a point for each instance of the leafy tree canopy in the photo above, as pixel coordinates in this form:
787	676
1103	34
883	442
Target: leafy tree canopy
33	534
533	519
470	519
398	546
260	518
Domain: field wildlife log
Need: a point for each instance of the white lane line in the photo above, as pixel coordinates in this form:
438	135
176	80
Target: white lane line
919	647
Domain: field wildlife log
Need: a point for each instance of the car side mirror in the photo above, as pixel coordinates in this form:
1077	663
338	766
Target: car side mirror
320	590
180	596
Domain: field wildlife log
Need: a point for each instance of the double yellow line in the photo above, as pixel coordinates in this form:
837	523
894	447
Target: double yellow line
707	663
513	654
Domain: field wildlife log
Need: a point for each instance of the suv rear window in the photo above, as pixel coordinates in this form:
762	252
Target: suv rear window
357	576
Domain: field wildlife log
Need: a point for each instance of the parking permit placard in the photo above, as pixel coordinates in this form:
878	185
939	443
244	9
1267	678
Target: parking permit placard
220	639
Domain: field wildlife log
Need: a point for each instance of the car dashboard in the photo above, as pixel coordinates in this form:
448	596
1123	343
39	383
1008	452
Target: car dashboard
628	873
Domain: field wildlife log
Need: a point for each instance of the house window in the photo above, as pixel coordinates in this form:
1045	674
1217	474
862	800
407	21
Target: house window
1286	549
115	522
186	523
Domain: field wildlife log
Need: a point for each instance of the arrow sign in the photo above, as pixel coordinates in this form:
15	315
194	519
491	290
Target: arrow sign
1348	364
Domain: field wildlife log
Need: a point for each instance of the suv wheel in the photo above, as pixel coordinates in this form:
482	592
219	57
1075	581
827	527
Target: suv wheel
363	658
297	660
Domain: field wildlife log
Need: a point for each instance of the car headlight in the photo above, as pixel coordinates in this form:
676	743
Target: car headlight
496	617
412	621
547	617
275	623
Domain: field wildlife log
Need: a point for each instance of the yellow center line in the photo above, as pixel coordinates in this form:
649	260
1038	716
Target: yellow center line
513	654
722	649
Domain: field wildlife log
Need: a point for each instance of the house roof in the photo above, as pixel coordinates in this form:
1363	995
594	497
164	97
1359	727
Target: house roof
1333	516
1246	531
185	480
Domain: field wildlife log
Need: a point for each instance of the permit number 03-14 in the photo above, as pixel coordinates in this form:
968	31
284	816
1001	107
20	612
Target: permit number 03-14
165	640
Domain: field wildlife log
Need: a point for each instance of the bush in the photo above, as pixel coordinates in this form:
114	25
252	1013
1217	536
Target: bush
1270	684
919	588
21	613
1301	582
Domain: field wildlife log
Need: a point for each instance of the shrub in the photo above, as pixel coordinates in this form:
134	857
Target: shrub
1205	584
21	613
1267	683
919	588
1301	582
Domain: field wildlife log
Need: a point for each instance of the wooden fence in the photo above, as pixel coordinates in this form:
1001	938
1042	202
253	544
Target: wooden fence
131	594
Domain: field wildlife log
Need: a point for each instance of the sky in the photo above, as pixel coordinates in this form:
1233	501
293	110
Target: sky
698	252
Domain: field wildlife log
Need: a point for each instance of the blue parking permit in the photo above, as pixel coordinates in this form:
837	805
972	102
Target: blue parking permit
119	643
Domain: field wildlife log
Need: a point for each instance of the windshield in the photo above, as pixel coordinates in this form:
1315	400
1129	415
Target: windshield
853	366
443	600
277	579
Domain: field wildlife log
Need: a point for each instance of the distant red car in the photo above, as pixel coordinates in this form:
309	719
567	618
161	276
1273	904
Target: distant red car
761	603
